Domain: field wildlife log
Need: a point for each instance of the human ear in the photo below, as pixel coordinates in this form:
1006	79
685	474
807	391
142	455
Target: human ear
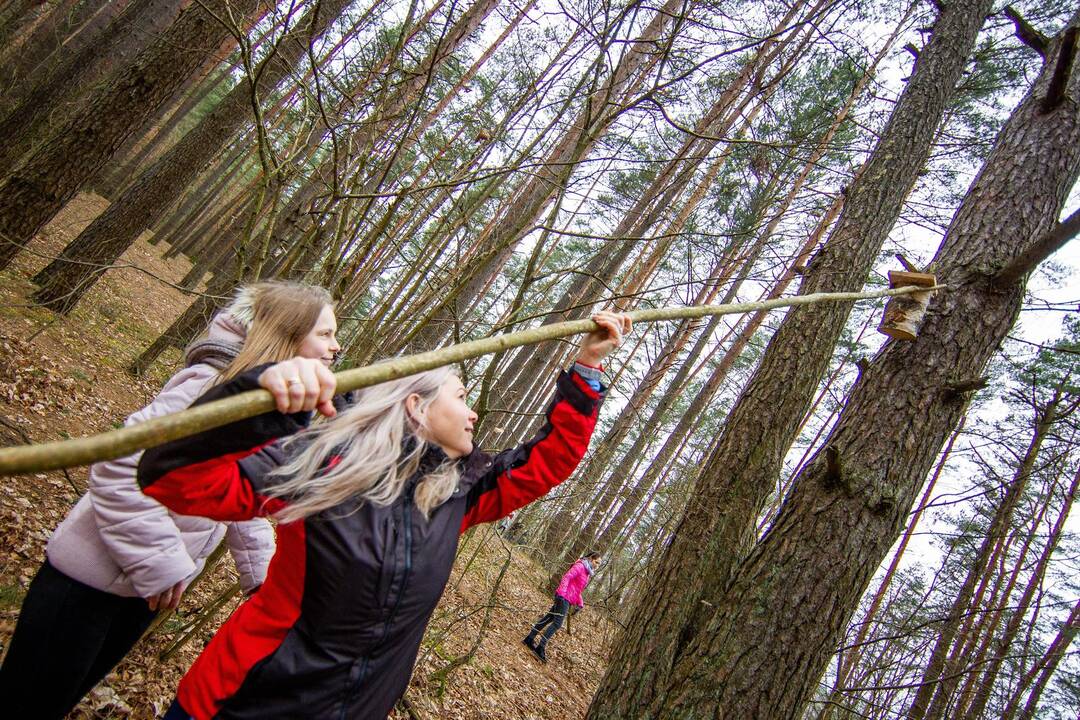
413	409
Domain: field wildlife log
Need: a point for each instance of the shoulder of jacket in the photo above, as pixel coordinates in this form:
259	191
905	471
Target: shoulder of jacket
179	392
195	375
476	463
473	467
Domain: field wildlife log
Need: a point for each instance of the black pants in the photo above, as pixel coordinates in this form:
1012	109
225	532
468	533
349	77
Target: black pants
68	637
551	621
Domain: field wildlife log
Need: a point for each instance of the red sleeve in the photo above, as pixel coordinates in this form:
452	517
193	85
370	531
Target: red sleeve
203	474
215	489
519	476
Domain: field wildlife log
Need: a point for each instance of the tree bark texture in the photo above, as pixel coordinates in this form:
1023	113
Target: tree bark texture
36	35
50	102
65	280
35	192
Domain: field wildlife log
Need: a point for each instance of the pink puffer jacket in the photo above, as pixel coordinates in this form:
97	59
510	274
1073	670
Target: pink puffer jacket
119	540
574	581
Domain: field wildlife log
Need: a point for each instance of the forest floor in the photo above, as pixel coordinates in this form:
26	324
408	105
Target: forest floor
65	377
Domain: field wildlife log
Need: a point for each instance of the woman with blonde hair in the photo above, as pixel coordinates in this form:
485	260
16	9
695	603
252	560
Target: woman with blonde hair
120	557
371	504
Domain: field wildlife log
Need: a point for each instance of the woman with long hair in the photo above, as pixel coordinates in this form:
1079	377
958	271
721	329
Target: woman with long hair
370	506
119	557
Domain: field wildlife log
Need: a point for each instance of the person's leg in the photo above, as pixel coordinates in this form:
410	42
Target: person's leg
544	620
130	619
553	620
558	612
61	628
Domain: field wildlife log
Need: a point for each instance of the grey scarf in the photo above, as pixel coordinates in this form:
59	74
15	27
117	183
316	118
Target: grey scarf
215	353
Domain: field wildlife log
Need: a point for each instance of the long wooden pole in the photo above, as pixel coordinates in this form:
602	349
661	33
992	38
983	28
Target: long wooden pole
118	443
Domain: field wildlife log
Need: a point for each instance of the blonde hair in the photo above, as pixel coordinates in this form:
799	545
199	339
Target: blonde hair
278	316
378	447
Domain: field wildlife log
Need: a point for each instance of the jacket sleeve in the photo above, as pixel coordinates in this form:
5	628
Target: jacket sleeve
518	476
202	474
251	544
137	531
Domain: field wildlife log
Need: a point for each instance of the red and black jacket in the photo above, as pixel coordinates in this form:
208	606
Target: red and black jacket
335	629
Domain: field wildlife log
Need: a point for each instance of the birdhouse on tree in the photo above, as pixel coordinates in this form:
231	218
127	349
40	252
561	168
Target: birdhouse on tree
904	313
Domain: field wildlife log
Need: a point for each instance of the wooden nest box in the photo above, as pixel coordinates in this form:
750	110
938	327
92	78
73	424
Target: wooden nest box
904	313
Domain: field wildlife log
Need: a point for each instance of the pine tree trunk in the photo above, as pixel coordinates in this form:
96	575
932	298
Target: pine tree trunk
499	237
178	334
939	678
51	103
1019	611
36	191
291	222
130	163
36	36
1047	665
846	663
18	17
788	602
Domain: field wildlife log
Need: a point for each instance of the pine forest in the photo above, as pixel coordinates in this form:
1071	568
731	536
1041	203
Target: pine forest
844	508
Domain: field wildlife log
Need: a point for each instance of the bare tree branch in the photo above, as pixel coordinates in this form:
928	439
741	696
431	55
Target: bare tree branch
1046	246
1027	34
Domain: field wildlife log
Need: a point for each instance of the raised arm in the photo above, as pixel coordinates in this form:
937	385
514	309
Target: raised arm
518	476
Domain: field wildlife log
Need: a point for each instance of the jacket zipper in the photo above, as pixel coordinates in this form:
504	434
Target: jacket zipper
407	513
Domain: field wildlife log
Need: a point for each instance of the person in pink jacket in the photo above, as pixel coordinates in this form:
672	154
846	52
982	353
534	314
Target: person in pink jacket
120	557
568	593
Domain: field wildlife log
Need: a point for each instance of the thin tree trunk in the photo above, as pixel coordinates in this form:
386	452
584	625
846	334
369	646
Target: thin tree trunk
601	108
1047	665
58	98
1019	612
64	281
846	662
939	678
131	164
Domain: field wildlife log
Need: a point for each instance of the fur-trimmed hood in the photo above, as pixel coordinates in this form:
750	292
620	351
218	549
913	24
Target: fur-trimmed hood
226	333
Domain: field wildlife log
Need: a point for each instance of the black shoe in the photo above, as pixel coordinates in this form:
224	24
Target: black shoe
528	642
538	651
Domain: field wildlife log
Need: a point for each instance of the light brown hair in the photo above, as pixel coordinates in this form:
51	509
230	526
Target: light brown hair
282	314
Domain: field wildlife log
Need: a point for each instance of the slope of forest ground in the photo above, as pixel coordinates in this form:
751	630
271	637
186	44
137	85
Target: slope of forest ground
64	377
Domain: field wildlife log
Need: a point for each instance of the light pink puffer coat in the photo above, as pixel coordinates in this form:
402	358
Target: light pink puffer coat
119	540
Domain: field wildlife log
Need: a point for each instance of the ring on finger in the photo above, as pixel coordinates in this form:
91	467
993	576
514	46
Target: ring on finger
293	381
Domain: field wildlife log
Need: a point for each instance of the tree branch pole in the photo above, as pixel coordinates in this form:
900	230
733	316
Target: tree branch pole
118	443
